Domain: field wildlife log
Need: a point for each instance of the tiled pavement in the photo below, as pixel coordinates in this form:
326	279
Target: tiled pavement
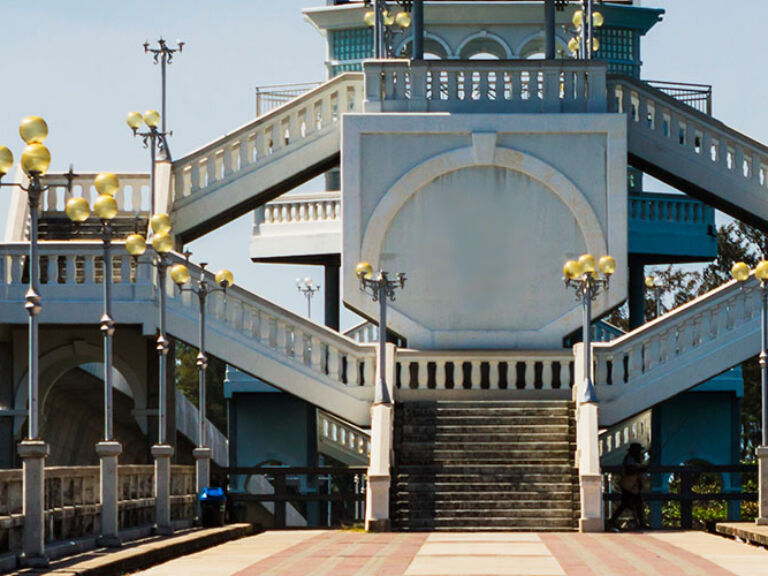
335	553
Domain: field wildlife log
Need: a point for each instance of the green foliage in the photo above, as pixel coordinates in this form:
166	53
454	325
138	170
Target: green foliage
187	382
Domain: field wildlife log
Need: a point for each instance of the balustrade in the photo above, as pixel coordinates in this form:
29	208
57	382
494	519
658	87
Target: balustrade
485	86
287	127
342	436
72	500
484	370
300	209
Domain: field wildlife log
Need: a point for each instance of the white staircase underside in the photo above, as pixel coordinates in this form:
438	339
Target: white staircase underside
678	351
271	155
692	151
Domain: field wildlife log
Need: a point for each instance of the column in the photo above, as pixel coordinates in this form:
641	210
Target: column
332	294
110	518
636	292
33	454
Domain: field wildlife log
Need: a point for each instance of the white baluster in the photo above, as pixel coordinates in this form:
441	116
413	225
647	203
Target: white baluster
546	374
440	374
316	354
333	363
475	374
422	382
298	344
368	370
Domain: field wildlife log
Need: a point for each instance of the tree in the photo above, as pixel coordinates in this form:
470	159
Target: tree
187	382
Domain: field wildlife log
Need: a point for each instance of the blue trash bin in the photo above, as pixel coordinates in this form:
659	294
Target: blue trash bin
213	506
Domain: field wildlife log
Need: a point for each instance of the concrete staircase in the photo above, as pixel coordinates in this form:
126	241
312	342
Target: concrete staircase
487	465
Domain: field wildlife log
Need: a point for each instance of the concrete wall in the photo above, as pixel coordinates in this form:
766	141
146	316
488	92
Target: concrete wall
481	211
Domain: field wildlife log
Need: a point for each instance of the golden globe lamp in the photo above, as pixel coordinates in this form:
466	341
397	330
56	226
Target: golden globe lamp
587	264
595	44
369	18
6	160
162	243
387	18
573	45
152	118
606	265
578	19
160	223
106	183
740	271
597	20
650	282
364	270
224	278
33	130
761	271
571	270
35	159
77	209
179	274
134	120
136	244
105	207
403	19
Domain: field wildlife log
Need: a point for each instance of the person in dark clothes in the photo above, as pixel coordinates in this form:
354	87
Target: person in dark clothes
631	484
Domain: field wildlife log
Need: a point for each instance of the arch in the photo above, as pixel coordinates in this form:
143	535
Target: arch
536	43
484	41
432	43
56	362
483	152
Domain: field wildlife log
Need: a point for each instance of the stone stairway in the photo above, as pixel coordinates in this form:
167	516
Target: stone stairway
487	465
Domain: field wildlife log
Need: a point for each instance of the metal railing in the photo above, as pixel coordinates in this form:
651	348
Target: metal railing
691	490
338	492
698	96
273	96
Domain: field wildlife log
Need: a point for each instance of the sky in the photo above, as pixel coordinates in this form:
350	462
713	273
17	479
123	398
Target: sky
81	66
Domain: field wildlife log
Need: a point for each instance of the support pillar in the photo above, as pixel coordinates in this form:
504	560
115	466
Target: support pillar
203	458
417	47
636	292
762	462
332	295
33	454
549	20
162	454
110	518
379	475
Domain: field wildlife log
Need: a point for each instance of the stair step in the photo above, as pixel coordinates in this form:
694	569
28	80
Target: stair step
456	523
424	502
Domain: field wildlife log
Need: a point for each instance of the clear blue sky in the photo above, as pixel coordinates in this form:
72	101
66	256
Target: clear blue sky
80	65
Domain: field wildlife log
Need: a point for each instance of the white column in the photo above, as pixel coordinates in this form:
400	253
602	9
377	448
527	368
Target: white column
110	519
162	454
33	454
203	466
588	454
762	461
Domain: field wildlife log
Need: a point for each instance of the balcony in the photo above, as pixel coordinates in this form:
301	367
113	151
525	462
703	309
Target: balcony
667	228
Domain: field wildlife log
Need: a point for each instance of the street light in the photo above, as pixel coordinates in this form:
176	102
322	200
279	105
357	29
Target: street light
584	276
163	54
652	283
385	20
584	22
741	273
223	280
307	288
35	160
381	288
105	208
152	138
162	244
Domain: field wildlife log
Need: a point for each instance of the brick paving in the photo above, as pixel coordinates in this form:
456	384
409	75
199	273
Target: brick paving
336	553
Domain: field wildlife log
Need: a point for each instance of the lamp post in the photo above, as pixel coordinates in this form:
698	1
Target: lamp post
105	208
584	276
384	21
381	289
309	290
651	282
584	43
741	273
223	280
163	54
153	139
35	160
162	243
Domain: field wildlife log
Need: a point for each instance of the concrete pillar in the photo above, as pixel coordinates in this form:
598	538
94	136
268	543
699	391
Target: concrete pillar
33	454
762	460
162	453
7	447
636	292
203	458
110	519
332	295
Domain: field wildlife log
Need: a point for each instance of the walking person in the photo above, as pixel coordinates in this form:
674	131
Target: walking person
631	484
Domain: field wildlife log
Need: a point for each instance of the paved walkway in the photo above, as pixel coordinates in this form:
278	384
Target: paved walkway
336	553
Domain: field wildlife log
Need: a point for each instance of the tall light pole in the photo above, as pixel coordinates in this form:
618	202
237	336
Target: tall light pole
222	280
741	273
163	55
162	244
35	160
308	289
584	276
651	282
105	208
153	139
381	289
